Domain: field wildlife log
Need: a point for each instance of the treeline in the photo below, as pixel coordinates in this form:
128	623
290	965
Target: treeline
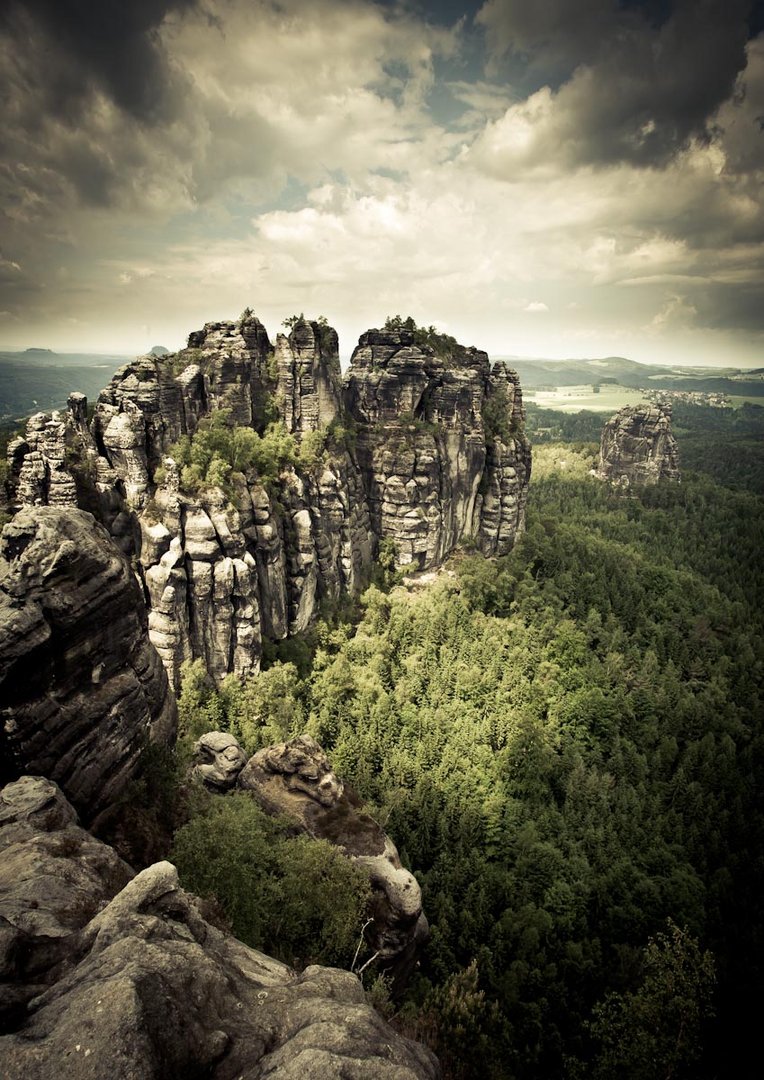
566	746
727	444
552	425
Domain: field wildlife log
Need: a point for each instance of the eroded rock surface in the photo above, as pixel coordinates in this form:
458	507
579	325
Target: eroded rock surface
219	760
421	450
637	447
437	472
296	779
143	987
81	687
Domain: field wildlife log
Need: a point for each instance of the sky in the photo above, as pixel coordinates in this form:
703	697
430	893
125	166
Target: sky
561	178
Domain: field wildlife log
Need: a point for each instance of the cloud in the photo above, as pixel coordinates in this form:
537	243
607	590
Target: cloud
731	307
162	105
97	45
294	156
633	90
553	33
675	310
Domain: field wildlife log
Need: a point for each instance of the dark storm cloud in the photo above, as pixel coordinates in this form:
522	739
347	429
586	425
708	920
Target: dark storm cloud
111	45
632	83
730	307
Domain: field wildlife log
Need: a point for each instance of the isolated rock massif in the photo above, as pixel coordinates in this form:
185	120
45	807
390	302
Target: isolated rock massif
637	447
82	690
410	447
103	973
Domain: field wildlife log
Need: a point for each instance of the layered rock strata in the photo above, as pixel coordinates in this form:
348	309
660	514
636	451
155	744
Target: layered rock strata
435	475
82	690
420	450
296	780
637	447
103	976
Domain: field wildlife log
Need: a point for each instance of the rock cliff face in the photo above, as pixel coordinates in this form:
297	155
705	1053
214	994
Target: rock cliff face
101	975
637	447
81	687
434	475
420	450
295	780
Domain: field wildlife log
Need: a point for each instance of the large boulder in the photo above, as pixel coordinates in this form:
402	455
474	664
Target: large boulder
82	690
218	760
140	986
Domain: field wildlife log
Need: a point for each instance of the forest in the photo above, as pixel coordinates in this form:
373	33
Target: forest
566	746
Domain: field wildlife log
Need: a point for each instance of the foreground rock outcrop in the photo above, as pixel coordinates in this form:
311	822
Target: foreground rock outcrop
102	976
295	780
637	447
414	448
82	689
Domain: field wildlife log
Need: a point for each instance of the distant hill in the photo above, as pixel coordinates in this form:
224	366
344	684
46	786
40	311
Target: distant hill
539	374
159	350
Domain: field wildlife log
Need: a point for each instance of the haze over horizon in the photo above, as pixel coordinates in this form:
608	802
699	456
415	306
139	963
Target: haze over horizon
563	179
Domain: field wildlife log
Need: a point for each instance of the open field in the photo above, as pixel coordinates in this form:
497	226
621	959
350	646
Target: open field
573	398
610	399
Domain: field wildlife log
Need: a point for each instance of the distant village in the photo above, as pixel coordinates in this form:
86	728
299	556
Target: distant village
688	397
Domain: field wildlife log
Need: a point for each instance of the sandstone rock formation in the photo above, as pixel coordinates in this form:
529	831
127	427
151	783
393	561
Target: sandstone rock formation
410	447
81	688
309	376
637	447
435	476
296	779
219	760
101	976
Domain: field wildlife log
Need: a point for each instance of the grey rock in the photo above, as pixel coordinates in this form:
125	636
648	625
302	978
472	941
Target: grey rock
218	760
140	986
637	447
54	876
296	779
81	687
434	476
221	570
309	376
39	466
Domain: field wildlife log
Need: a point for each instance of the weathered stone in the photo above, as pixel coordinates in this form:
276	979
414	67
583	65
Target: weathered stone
424	449
39	469
218	760
309	376
419	465
295	779
81	687
637	447
53	878
144	988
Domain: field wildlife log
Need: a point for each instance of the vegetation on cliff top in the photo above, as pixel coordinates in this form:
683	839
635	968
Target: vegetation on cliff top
218	449
443	345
